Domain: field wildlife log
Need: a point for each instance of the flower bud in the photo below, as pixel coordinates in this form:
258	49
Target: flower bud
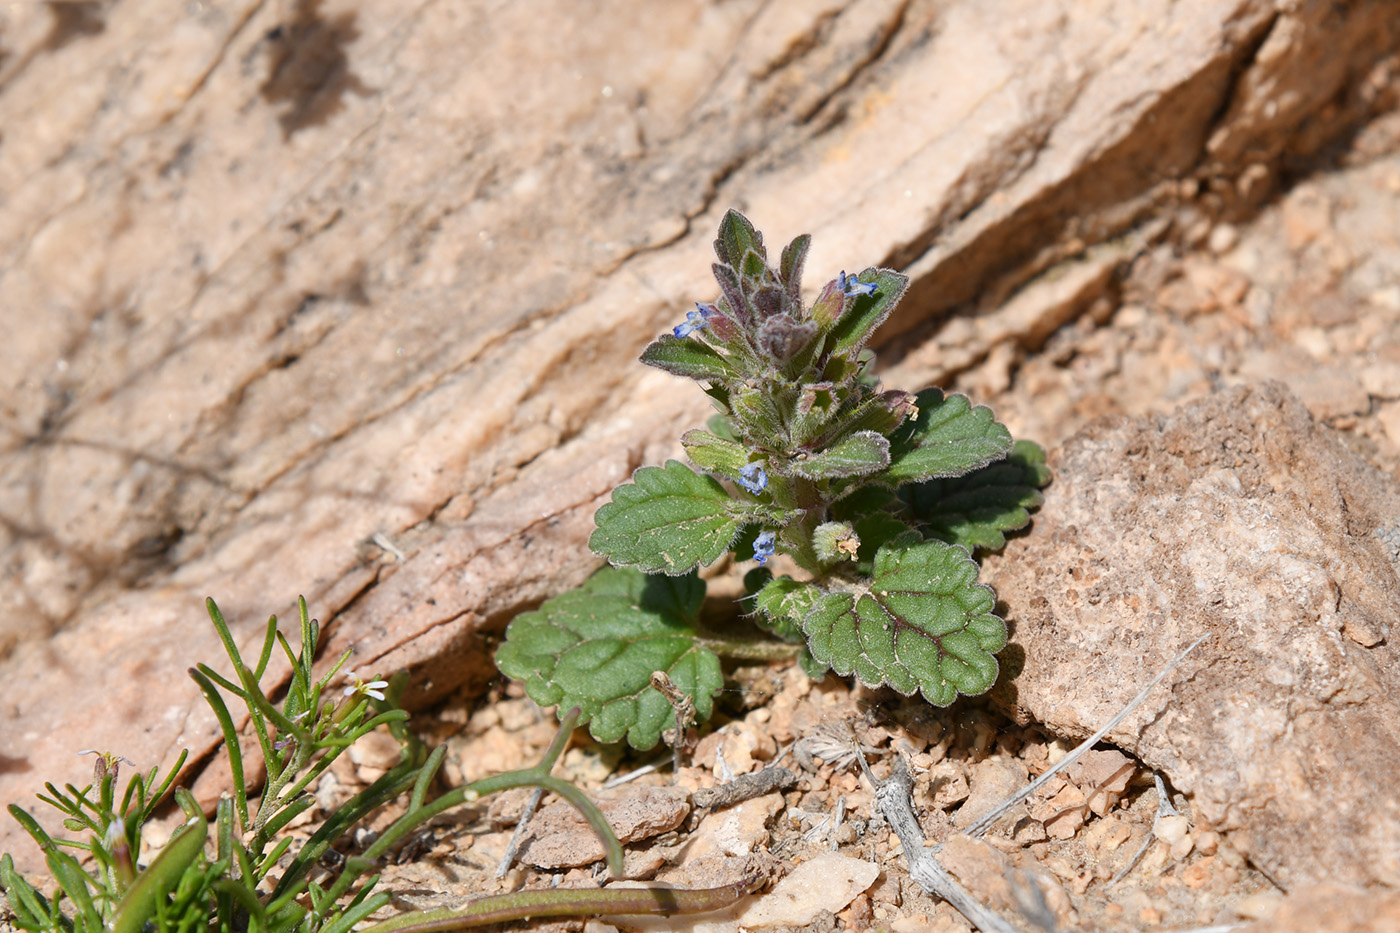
830	305
782	338
835	541
903	405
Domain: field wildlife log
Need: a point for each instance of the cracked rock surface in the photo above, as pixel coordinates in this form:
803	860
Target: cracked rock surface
313	298
1240	518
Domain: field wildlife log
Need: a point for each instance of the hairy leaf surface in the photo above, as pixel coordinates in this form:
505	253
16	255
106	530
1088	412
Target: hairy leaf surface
924	623
682	356
948	438
858	455
978	509
866	312
596	647
667	520
714	453
783	603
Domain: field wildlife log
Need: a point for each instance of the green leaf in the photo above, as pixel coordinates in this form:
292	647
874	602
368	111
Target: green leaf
858	455
866	312
863	501
875	531
817	406
169	868
880	412
753	265
977	510
597	647
772	516
813	668
720	427
924	623
756	414
668	520
948	438
683	356
782	604
736	237
714	453
720	396
790	266
826	310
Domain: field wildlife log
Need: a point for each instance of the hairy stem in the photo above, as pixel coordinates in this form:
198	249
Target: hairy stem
752	649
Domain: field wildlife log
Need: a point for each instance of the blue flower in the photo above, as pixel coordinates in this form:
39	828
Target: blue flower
853	286
694	320
763	546
753	478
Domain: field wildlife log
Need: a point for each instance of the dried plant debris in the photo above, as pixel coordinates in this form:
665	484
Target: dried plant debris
1087	849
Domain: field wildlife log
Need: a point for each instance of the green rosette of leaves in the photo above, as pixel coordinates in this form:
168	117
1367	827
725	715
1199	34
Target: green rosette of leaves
878	498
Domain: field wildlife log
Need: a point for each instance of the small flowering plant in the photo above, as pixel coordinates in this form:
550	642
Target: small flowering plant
879	498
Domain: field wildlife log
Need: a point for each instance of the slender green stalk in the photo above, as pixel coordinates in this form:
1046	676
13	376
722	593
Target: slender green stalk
538	776
164	873
235	755
265	656
751	649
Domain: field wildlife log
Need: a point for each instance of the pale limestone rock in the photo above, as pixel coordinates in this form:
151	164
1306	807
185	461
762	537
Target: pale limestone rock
558	837
828	882
1241	518
992	781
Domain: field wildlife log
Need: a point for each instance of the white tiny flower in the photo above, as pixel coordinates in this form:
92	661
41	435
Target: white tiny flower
375	688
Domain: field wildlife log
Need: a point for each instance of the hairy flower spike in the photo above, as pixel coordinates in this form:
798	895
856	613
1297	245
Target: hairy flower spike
694	320
753	478
852	286
763	546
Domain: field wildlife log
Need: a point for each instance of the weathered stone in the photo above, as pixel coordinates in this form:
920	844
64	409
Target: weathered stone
1332	908
827	882
559	837
1240	518
290	290
992	781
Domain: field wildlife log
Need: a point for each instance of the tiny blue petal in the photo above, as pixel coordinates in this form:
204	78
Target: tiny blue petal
763	546
853	286
753	478
694	320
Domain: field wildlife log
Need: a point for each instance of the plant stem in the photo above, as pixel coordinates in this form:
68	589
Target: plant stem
523	905
537	776
751	649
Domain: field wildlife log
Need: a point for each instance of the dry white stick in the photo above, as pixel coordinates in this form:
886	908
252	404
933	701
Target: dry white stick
837	820
892	797
617	780
513	846
1164	808
980	827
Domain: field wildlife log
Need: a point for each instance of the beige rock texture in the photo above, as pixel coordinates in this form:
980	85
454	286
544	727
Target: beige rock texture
1332	908
342	299
826	883
1242	519
559	837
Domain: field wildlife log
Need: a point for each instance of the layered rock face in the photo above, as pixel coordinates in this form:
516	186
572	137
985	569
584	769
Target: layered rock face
343	300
